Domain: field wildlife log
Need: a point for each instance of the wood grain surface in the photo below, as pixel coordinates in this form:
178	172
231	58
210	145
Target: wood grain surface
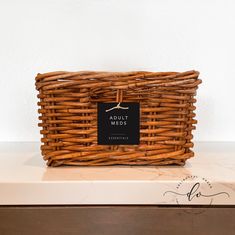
116	220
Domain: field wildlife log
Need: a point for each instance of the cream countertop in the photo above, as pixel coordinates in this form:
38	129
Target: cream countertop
208	178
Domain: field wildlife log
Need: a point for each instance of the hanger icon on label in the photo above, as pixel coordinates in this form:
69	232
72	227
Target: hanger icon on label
118	106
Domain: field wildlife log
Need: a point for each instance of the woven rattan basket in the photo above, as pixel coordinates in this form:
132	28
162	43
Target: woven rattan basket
68	116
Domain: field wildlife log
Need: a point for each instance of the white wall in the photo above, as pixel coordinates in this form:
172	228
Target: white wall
47	35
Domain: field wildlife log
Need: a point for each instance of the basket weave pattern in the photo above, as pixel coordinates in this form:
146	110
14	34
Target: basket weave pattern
68	116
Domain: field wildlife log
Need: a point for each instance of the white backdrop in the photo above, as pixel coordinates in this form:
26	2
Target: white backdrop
47	35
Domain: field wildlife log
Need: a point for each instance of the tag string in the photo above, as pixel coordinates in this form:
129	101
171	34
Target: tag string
119	96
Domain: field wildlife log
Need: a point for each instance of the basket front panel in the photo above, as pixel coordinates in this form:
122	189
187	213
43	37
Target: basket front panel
68	108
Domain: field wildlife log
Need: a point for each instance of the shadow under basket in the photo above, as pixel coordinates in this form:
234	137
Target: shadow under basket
69	117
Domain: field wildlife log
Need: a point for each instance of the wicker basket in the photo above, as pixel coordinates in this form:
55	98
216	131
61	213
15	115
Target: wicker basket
68	114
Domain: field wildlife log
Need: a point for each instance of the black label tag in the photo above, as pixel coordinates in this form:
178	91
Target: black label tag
118	123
